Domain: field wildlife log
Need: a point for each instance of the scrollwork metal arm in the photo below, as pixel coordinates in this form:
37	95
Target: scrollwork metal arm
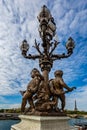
60	56
33	57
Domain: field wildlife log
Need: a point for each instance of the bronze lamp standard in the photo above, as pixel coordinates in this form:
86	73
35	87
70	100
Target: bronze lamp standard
47	30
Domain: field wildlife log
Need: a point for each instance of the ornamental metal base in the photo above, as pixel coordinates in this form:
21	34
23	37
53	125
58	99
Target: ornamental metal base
42	123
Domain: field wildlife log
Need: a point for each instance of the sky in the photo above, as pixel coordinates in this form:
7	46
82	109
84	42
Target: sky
18	21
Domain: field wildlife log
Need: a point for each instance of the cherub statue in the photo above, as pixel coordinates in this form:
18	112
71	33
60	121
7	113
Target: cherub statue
57	86
31	90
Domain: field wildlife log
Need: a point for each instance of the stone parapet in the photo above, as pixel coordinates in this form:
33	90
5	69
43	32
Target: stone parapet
42	123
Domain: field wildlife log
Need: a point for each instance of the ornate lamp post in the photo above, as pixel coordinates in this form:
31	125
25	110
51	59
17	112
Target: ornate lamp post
47	30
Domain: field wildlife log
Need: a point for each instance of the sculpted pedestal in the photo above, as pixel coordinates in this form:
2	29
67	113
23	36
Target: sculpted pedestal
42	123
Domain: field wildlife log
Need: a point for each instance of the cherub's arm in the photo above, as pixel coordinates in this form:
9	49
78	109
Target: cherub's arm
65	85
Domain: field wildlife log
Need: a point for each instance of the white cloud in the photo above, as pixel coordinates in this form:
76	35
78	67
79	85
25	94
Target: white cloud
85	80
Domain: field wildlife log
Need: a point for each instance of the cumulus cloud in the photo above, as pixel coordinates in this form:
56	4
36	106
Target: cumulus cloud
18	21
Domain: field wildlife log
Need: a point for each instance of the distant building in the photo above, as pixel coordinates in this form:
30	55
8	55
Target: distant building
75	109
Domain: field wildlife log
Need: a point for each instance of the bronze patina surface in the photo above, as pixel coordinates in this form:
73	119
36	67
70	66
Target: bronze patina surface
43	93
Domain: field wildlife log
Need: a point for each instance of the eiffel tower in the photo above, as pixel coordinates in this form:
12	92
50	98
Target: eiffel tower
75	109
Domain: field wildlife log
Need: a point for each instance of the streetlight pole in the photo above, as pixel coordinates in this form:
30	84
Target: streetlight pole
47	30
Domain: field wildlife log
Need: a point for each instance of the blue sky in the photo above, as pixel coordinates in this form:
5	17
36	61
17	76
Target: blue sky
18	21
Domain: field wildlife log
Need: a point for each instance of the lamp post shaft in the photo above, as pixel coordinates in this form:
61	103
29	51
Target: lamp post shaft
46	75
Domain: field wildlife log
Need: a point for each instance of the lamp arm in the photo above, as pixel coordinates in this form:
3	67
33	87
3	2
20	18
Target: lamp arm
33	57
60	56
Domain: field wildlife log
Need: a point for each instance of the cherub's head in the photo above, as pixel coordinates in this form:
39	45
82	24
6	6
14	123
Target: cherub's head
35	72
58	73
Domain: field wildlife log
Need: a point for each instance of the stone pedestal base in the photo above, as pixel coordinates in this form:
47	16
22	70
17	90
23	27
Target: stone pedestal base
42	123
